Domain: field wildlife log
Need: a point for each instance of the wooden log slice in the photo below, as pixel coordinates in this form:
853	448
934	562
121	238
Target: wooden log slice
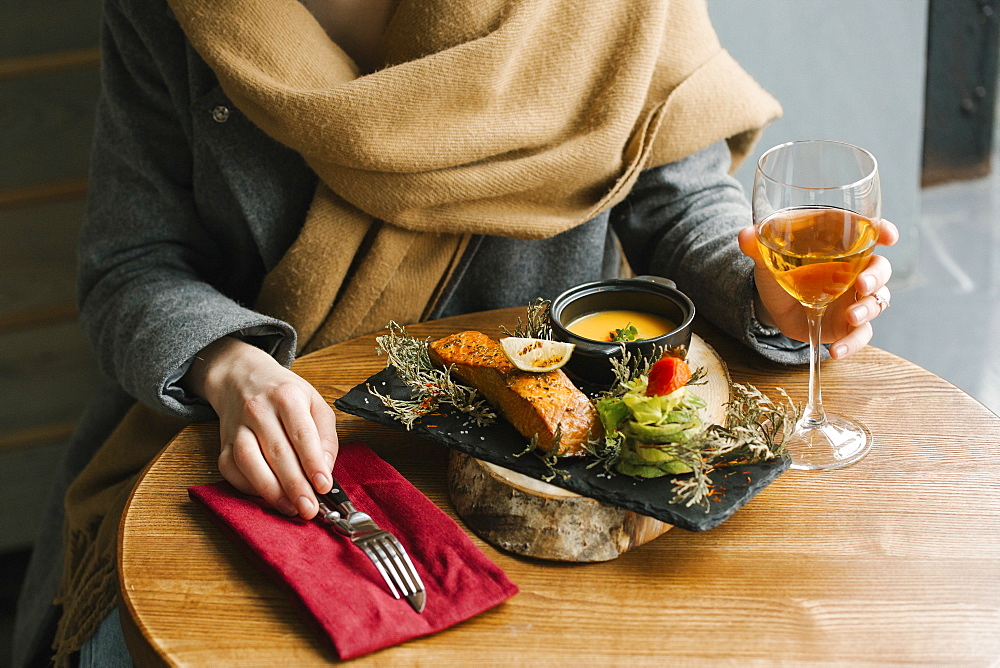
525	516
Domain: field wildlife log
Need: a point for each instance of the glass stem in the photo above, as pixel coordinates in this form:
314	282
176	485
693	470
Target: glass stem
813	415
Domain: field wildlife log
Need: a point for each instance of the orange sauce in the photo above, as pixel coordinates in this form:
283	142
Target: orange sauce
601	325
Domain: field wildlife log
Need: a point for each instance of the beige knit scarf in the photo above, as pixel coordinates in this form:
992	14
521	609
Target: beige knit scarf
520	118
498	117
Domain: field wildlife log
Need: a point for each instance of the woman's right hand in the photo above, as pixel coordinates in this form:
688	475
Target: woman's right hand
279	437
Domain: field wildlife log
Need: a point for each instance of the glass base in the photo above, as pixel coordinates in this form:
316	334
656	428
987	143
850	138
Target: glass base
836	443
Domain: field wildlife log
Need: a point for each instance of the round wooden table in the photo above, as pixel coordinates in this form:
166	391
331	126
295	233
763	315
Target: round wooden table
893	559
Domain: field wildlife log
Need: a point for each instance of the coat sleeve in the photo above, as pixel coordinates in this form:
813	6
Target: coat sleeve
681	221
146	304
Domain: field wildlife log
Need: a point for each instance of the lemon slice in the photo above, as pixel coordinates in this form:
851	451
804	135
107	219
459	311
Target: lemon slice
536	355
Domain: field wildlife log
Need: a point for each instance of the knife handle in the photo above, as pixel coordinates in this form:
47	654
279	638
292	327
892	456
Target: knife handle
339	498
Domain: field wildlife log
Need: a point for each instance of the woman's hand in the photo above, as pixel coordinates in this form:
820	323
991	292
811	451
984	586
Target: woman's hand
847	322
279	438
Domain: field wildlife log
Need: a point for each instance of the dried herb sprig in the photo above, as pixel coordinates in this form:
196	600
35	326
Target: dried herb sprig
757	423
538	326
605	451
430	386
628	367
698	377
755	430
549	459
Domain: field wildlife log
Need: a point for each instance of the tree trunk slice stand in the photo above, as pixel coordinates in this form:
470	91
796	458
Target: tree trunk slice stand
532	518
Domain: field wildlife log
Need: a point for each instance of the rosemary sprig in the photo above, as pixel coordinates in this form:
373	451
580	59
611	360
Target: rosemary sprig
605	451
628	368
755	431
698	377
430	386
549	459
538	326
757	424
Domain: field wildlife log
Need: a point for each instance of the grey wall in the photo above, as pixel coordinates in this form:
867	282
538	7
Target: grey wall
850	70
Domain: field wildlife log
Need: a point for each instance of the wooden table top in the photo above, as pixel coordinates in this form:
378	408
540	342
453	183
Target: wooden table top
893	559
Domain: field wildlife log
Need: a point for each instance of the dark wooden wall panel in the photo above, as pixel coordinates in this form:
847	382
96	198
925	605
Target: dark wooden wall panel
48	120
49	374
49	84
38	259
42	27
23	496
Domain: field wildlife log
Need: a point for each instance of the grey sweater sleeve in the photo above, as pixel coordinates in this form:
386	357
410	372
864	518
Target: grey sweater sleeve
145	303
681	221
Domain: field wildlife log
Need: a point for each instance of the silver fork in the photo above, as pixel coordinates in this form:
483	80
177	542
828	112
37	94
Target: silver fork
384	549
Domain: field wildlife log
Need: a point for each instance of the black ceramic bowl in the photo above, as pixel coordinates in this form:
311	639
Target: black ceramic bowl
591	360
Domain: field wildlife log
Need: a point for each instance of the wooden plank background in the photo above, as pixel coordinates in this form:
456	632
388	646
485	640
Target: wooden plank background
49	65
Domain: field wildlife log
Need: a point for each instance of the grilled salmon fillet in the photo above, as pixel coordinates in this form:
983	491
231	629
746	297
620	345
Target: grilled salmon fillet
534	403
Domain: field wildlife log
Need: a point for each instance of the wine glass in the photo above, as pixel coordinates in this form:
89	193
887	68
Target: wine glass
816	209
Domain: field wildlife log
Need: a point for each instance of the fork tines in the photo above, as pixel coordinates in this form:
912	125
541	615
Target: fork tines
394	564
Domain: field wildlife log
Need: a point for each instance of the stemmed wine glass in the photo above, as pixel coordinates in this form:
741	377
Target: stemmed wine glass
816	209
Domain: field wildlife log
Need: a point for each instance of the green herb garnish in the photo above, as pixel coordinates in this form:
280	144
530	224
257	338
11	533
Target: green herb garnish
626	333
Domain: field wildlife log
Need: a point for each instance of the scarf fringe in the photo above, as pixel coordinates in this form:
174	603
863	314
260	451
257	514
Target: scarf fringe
94	582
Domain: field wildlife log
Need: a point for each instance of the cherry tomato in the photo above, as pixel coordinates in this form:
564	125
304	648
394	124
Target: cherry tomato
667	375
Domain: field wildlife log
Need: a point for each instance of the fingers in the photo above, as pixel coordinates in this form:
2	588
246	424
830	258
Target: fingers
868	308
231	472
888	233
283	447
326	427
289	445
857	339
249	465
748	244
278	434
859	319
305	465
874	277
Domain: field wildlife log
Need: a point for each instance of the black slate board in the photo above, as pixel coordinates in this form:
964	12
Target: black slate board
499	442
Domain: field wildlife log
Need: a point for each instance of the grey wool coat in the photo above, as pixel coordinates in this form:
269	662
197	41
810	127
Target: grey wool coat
190	205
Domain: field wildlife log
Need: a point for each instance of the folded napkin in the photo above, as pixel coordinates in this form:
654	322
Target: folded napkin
338	585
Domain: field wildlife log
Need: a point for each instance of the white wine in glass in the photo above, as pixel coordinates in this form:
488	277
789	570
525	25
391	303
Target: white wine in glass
816	208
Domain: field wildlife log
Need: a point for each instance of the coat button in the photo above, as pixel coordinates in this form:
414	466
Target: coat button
220	114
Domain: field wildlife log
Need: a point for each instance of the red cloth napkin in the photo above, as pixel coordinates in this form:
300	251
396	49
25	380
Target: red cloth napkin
338	585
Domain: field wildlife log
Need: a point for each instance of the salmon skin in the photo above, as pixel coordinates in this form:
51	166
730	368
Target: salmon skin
534	403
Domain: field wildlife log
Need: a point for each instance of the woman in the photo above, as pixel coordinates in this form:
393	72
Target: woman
342	163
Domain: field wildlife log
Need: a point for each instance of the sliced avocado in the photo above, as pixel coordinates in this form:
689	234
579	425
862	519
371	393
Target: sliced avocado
628	454
682	416
674	466
651	470
668	463
638	470
612	411
651	433
635	455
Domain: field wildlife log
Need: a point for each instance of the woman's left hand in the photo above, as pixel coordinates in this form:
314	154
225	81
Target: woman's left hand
847	321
